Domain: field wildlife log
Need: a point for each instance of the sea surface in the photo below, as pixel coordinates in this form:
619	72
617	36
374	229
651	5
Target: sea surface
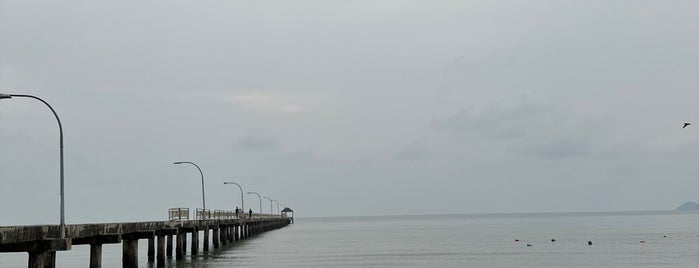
488	240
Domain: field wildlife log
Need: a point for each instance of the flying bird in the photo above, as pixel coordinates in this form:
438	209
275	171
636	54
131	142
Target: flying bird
686	124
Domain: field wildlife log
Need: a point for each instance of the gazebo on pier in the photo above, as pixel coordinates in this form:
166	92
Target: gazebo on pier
286	211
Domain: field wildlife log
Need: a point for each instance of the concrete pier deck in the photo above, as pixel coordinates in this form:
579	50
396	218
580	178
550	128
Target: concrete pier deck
42	241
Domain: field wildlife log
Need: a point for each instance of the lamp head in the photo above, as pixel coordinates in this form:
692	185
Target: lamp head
5	96
177	163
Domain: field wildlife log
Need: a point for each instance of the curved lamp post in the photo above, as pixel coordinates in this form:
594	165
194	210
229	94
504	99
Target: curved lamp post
62	226
270	204
203	196
258	196
242	201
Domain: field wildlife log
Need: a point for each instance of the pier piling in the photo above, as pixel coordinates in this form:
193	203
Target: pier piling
168	245
215	237
206	238
195	241
179	245
151	250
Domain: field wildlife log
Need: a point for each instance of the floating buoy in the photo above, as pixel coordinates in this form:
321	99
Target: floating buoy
643	241
553	240
516	240
530	245
589	243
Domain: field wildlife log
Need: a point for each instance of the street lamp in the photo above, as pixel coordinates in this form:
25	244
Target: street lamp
270	204
62	226
258	196
242	201
203	196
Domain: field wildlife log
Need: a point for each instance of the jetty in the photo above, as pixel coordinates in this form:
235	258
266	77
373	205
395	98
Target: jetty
216	228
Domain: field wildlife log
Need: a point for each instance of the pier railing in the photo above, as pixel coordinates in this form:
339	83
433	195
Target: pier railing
182	214
178	214
203	214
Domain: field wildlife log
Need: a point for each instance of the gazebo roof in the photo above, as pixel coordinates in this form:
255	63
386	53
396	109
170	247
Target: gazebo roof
287	210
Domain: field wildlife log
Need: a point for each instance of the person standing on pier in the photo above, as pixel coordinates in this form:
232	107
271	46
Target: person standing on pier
236	212
250	214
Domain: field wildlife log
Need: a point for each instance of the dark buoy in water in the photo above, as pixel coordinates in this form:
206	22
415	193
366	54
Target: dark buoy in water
516	240
589	243
530	245
664	235
553	240
642	241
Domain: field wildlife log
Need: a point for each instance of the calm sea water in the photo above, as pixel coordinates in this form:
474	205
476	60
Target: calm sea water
448	241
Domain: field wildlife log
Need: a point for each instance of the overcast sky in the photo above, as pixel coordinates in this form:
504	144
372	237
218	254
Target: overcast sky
348	107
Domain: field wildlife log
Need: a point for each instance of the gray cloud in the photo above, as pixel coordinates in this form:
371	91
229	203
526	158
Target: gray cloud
504	121
560	149
349	108
413	152
257	142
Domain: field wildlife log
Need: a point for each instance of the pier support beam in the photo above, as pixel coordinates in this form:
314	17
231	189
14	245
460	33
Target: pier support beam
231	230
151	250
160	252
130	253
41	253
206	238
164	237
215	237
50	259
184	243
42	259
224	236
168	245
130	247
179	245
95	255
96	243
36	259
195	241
